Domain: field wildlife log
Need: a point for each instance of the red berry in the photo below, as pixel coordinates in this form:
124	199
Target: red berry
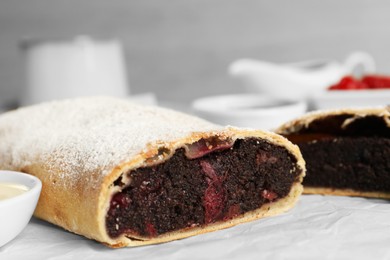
150	229
269	195
214	197
121	200
214	201
376	81
349	83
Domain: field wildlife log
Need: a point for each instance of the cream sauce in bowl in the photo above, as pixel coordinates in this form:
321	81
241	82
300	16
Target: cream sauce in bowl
19	194
9	190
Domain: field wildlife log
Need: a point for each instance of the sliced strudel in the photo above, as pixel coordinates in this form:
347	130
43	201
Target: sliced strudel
346	151
129	175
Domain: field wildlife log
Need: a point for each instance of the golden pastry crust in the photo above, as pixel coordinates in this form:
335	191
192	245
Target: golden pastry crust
79	154
299	124
346	192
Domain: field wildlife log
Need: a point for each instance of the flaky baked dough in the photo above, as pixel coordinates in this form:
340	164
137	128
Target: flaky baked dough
346	192
79	147
299	124
302	123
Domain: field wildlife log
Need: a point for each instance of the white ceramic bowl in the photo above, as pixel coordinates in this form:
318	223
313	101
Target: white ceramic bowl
248	110
350	98
16	212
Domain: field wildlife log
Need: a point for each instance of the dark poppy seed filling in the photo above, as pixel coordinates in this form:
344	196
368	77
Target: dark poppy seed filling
182	193
359	163
355	156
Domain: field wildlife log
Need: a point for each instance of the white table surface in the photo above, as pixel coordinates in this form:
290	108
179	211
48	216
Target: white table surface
319	227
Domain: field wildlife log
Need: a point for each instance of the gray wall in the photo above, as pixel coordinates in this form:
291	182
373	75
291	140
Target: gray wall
180	49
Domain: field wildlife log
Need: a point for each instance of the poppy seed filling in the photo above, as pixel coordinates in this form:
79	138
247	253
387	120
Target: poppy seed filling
358	163
341	156
183	192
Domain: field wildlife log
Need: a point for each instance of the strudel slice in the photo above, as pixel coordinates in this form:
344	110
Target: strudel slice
347	152
129	175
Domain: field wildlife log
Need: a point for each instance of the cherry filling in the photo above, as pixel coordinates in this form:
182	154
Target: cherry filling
196	187
214	195
203	147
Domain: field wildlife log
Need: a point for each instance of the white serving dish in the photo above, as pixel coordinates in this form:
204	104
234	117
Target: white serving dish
299	80
16	212
350	98
248	110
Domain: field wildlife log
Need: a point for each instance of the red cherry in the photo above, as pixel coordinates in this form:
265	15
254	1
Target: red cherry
214	196
269	195
150	229
121	200
376	81
349	83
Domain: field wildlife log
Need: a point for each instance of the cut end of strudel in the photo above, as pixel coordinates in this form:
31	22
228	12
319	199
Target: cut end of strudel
130	175
346	151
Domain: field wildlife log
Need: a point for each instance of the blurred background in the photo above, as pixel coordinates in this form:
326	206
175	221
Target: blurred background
180	50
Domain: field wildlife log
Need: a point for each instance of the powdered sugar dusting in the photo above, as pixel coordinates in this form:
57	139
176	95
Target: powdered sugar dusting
87	135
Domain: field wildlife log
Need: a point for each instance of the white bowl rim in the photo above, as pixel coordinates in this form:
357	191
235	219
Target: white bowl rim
33	183
208	105
349	94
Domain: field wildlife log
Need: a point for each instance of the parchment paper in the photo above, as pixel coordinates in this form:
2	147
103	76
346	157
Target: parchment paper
319	227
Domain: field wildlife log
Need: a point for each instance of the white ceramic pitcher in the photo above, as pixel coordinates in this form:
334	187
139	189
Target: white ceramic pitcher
297	81
71	68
